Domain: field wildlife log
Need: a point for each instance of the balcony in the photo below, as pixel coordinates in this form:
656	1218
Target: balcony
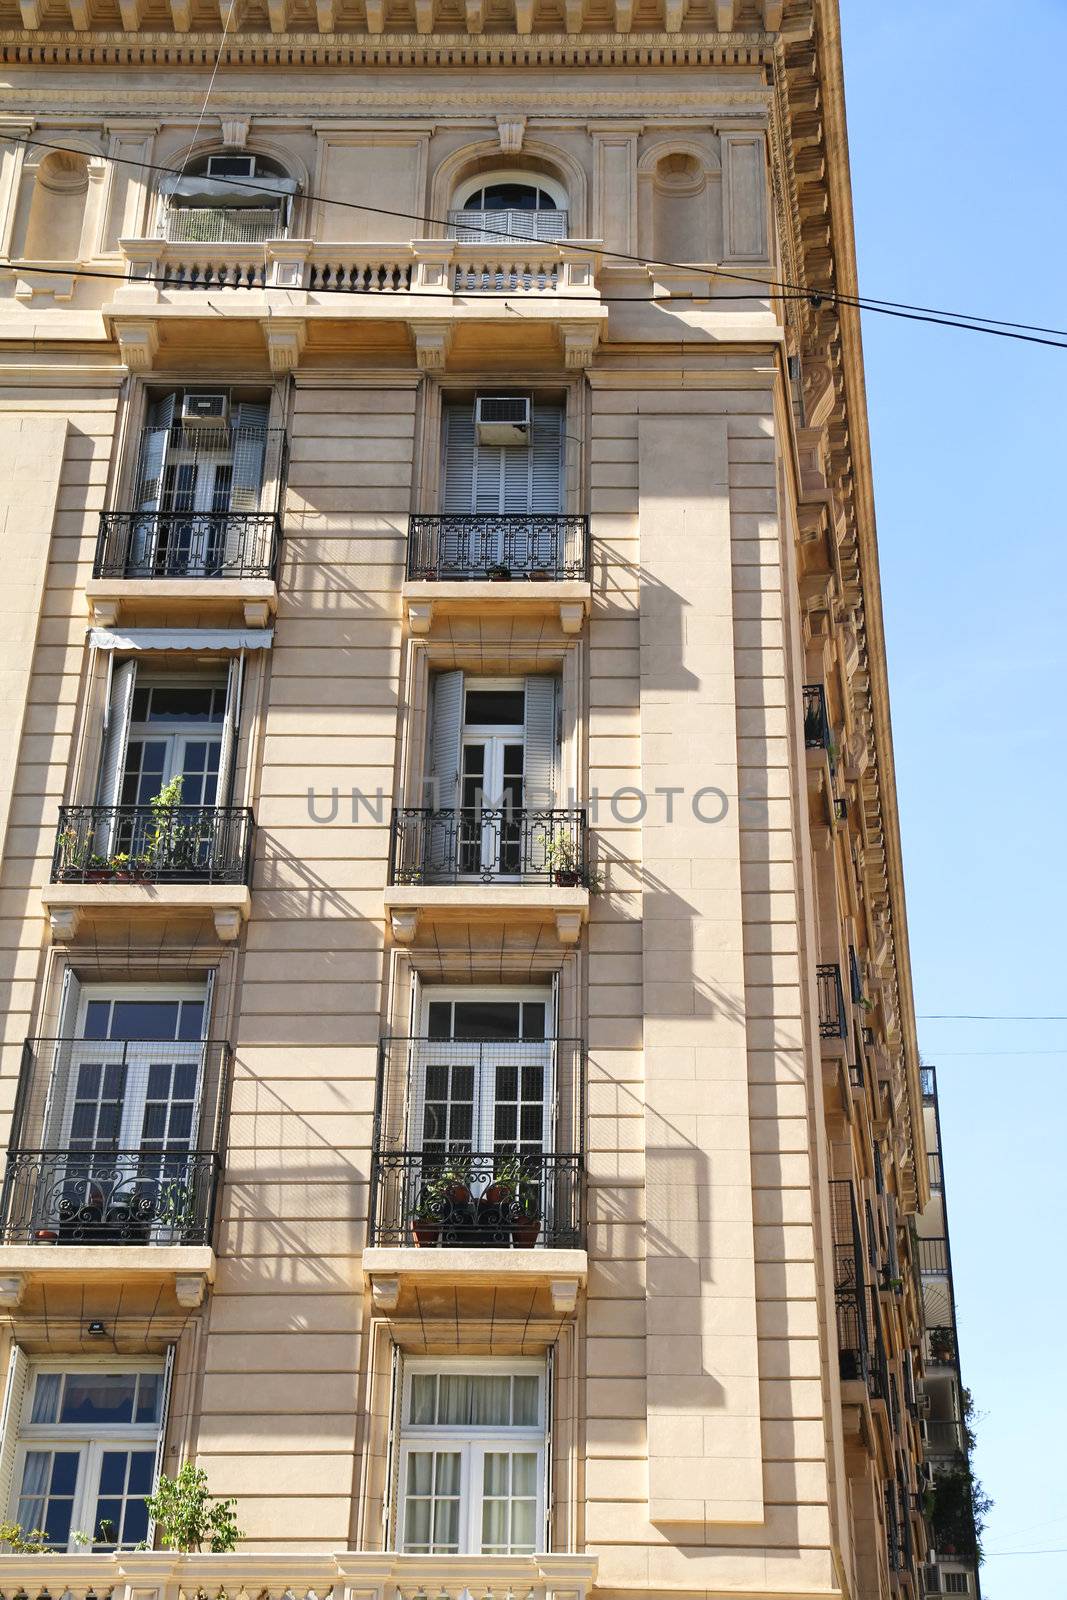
114	1165
943	1438
832	1021
861	1350
139	858
489	862
525	563
274	1576
477	1170
222	224
933	1257
816	721
203	546
439	288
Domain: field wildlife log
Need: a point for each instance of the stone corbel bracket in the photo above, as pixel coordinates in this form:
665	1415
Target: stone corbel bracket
285	339
190	1289
433	340
138	343
579	341
12	1288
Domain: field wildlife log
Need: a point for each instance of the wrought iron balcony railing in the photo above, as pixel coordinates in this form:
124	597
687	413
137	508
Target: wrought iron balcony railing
941	1345
861	1349
817	734
487	1199
522	546
489	844
104	1196
933	1257
153	844
943	1437
185	544
831	1001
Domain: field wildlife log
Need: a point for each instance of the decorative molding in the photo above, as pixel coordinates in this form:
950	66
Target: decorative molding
12	1287
190	1289
433	340
234	131
138	344
285	339
63	923
227	923
564	1292
404	922
511	131
384	1292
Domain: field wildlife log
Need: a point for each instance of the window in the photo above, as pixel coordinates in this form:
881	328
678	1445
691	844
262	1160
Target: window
956	1583
472	1459
206	203
499	205
485	1076
162	727
85	1456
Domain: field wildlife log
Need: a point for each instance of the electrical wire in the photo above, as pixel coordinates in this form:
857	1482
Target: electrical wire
986	1016
1026	333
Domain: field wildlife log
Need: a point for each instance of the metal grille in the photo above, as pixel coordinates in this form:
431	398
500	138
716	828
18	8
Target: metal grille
831	1001
153	844
483	227
522	546
489	844
816	721
222	224
181	544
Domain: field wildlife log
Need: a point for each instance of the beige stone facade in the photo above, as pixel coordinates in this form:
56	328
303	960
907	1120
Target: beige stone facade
475	1115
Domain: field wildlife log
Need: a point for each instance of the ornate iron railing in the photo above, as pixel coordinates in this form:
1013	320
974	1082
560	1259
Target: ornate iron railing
103	1196
831	1001
861	1350
943	1437
150	844
488	844
185	544
933	1257
483	1199
526	546
816	722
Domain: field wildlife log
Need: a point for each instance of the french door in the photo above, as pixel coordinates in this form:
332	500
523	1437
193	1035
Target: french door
125	1114
492	772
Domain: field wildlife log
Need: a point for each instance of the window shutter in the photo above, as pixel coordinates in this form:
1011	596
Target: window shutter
457	490
390	1497
540	753
249	452
546	448
231	723
116	734
161	1442
18	1372
66	1029
488	474
445	737
550	1407
155	441
516	491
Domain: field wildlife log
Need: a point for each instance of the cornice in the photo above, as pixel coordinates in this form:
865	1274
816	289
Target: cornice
65	99
19	47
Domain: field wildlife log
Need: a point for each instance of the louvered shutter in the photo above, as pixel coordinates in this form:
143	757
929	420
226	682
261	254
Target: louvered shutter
161	1442
18	1372
540	754
445	738
231	723
546	483
488	477
550	1410
50	1131
116	734
155	442
460	546
390	1497
249	453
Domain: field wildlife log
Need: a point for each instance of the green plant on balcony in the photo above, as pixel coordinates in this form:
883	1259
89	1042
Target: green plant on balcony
189	1516
563	859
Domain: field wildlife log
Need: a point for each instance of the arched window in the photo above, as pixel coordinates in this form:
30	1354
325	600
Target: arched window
502	205
232	197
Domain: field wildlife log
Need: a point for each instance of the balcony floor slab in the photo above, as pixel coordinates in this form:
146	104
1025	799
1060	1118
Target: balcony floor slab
111	598
425	599
67	905
149	1285
401	1277
408	905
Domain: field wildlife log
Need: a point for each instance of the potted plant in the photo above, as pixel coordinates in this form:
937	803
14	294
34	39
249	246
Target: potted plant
166	835
504	1182
527	1225
98	869
426	1224
498	572
561	857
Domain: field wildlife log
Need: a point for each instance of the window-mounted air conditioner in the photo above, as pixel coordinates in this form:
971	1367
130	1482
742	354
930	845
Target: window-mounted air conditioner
231	166
206	410
502	419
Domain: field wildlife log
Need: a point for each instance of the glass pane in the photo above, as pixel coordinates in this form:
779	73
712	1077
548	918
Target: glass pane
524	1402
144	1019
423	1402
96	1018
417	1526
447	1472
185	703
533	1019
148	1389
494	1527
420	1472
523	1527
491	1402
191	1025
495	708
524	1473
495	1478
446	1527
98	1397
454	1400
141	1464
439	1019
113	1472
487	1019
46	1397
135	1522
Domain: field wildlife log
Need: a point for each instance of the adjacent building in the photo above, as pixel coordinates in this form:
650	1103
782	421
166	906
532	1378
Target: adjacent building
459	1071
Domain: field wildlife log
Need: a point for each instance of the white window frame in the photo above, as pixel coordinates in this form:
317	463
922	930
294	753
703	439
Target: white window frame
472	1443
518	175
174	736
89	1442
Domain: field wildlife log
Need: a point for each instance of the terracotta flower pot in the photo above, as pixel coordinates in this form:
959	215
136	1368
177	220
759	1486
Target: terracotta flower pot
426	1231
524	1232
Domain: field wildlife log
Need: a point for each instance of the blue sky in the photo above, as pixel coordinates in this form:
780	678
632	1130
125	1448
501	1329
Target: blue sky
955	126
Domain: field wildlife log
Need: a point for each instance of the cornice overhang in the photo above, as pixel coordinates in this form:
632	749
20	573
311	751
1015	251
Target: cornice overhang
810	77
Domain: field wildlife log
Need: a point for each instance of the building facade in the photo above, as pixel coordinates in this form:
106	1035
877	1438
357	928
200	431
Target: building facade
459	1065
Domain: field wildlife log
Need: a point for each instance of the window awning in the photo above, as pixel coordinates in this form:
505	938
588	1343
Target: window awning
258	191
182	639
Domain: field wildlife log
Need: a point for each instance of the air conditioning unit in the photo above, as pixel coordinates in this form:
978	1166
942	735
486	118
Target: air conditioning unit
923	1402
206	409
231	166
502	419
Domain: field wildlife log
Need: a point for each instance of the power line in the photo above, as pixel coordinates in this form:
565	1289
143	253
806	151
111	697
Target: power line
1060	1550
987	1016
1026	333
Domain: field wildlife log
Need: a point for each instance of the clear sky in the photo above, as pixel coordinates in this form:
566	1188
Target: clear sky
957	148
